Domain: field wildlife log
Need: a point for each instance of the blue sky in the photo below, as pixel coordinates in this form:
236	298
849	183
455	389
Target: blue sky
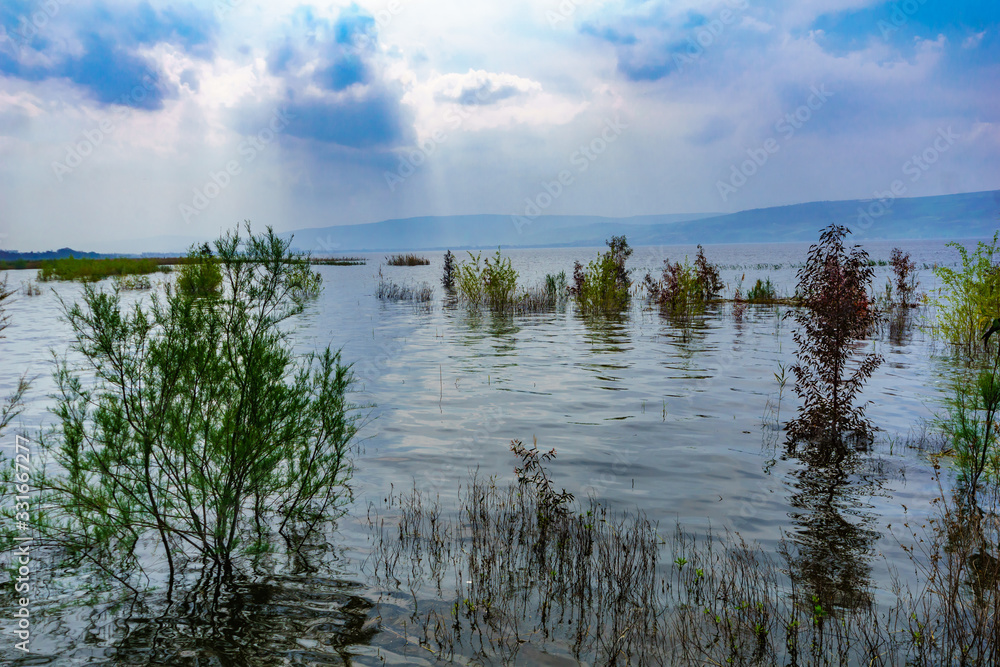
120	121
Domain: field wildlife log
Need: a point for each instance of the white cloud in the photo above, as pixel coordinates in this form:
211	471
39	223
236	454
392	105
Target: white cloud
481	88
481	100
973	40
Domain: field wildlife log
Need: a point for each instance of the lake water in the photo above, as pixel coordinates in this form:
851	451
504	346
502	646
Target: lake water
646	412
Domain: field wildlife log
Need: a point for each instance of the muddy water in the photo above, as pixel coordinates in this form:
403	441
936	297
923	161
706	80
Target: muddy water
663	415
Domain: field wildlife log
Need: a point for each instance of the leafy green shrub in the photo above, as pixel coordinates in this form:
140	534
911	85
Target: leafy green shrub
683	286
198	424
604	287
970	297
200	276
762	292
492	284
971	425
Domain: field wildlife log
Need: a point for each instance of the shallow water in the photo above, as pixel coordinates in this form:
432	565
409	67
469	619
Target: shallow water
648	413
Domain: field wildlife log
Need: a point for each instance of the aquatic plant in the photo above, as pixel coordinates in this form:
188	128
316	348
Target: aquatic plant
408	259
603	287
555	285
905	273
90	270
5	296
200	426
338	261
200	276
970	296
532	474
13	404
492	285
448	275
763	291
971	422
683	286
837	316
512	571
387	290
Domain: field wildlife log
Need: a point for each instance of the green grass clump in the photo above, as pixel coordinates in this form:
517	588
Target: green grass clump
762	292
387	290
406	260
489	283
92	270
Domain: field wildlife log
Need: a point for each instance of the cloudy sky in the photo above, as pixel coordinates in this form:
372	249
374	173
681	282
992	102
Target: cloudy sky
124	120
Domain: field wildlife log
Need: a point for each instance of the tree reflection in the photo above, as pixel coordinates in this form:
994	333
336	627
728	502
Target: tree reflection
279	621
830	550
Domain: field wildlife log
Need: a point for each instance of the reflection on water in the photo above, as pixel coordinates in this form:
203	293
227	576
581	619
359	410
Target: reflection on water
276	621
832	527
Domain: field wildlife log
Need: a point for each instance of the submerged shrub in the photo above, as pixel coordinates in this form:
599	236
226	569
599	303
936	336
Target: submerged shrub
5	294
683	286
603	287
201	427
971	425
492	284
406	260
837	315
200	276
448	276
905	273
970	296
387	290
762	291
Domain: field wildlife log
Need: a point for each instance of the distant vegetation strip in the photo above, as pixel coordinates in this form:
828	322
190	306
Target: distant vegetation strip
92	269
87	270
338	261
406	260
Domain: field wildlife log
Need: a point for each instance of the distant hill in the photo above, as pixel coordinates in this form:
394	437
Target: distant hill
970	215
961	216
475	231
12	256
